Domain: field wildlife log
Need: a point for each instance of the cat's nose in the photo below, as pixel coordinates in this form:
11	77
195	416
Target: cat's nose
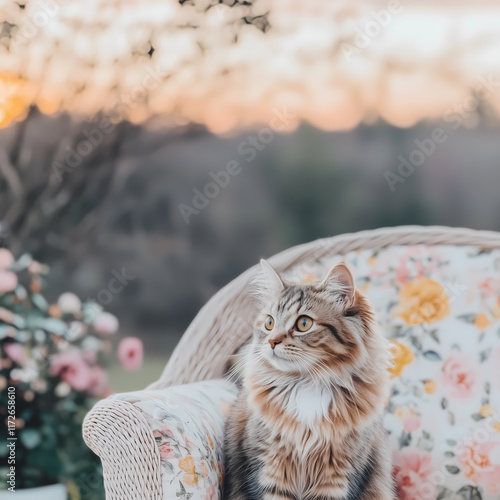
274	342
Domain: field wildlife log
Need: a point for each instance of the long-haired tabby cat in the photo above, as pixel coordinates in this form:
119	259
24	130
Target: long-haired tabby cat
308	421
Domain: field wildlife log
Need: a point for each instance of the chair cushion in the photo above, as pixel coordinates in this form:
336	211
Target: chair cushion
440	306
188	425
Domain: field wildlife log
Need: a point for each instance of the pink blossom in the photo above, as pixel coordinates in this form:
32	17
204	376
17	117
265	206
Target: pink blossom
212	493
402	273
89	356
16	353
481	464
98	381
411	423
412	470
73	369
8	281
166	451
6	259
166	431
106	323
130	353
459	375
489	287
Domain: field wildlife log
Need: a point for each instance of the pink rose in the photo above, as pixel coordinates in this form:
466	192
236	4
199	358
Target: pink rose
166	431
15	352
481	464
166	451
130	353
402	272
106	323
98	381
489	287
8	281
6	259
412	469
212	493
459	375
73	369
411	423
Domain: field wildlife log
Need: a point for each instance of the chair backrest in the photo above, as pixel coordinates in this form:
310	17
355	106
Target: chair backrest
225	323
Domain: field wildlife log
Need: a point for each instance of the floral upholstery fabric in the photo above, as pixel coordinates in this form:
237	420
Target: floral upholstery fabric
440	306
188	425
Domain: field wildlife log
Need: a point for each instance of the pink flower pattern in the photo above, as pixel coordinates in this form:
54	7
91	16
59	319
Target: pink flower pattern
73	369
459	375
130	352
443	418
448	393
412	470
188	426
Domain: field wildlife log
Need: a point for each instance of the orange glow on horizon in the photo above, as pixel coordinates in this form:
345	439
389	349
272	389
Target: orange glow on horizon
14	100
426	59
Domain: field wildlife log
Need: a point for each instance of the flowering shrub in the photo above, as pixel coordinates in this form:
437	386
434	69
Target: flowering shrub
52	355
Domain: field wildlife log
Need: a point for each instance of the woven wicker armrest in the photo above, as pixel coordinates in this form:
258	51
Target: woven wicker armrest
162	444
119	434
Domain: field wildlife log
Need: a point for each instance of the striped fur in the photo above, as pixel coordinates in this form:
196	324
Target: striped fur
308	421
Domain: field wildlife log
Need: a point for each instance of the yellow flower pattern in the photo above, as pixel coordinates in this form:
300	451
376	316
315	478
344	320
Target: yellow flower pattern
439	307
423	301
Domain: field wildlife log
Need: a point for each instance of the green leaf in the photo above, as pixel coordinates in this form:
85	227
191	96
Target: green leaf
48	461
22	263
470	493
432	356
30	438
451	418
452	469
434	335
484	355
404	439
40	302
416	342
469	318
54	325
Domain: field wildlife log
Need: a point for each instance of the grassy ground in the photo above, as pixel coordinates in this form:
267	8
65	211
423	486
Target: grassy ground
126	381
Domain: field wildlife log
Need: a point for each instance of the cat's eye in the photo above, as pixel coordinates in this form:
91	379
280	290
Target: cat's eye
269	323
304	323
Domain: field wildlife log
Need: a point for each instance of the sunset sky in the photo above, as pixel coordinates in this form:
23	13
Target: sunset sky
333	64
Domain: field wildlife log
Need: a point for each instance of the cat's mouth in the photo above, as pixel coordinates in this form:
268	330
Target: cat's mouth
275	354
280	360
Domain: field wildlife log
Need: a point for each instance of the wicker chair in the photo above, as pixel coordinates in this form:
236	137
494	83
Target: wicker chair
117	432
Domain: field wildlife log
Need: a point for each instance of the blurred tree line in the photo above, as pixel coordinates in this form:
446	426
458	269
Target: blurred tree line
117	209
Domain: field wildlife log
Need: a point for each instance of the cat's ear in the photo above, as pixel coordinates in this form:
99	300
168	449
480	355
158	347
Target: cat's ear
340	280
272	280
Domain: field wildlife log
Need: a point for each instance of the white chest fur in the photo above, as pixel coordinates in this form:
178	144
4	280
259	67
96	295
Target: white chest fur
308	402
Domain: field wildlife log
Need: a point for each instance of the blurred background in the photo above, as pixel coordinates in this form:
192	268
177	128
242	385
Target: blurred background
117	115
151	151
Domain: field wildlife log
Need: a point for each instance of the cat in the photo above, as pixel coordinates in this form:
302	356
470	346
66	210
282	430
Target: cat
308	421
